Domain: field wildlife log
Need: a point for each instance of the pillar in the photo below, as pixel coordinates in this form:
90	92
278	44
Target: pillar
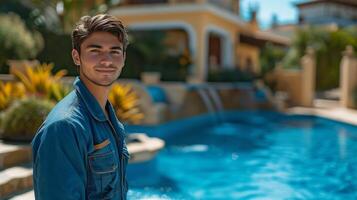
348	77
308	77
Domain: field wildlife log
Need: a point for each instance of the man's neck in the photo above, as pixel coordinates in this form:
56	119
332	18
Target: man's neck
99	92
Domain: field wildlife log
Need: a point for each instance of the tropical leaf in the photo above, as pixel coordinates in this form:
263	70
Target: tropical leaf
39	81
9	92
126	103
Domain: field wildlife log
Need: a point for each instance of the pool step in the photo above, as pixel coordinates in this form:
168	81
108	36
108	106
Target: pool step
14	180
14	154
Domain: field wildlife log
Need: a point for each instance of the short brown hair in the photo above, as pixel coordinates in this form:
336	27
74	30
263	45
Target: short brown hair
98	23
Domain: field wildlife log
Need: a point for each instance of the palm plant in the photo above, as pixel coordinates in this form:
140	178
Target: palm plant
39	81
10	91
126	103
16	40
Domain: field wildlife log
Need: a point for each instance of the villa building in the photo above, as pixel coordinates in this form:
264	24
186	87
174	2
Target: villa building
212	31
327	12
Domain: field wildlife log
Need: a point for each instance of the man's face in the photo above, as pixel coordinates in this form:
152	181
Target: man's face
101	58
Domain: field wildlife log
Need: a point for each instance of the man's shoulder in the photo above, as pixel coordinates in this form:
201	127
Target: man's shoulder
68	122
62	130
67	117
69	109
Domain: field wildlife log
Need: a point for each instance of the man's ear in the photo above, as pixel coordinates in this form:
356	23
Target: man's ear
75	57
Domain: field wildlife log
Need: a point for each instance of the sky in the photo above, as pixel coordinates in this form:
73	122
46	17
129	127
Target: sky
284	9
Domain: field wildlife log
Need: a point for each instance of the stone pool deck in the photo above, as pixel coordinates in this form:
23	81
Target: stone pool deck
327	109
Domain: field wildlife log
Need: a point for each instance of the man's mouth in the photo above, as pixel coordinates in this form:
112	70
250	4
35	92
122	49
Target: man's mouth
105	70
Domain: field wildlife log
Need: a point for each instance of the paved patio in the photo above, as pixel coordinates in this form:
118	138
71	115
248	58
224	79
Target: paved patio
328	109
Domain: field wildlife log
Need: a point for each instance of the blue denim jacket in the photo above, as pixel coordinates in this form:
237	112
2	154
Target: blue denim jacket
79	153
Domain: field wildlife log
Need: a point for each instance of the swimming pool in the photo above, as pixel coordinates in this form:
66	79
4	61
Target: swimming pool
249	155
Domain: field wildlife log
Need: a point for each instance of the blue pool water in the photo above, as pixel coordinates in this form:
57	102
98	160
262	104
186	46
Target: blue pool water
249	155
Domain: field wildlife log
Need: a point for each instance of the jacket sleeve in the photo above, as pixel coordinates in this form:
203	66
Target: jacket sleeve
59	163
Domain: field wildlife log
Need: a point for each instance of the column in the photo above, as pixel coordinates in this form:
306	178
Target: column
348	77
308	76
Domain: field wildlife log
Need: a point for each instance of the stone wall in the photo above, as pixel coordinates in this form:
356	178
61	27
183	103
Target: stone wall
298	84
185	100
289	82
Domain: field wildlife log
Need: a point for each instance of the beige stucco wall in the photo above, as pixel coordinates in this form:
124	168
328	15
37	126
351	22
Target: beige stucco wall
243	52
289	81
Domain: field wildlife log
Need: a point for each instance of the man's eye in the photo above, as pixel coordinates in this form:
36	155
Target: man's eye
115	52
94	50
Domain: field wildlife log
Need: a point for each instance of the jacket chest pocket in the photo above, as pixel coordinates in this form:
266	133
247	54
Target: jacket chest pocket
103	163
103	174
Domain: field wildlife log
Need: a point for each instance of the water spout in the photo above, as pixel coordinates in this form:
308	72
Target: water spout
212	102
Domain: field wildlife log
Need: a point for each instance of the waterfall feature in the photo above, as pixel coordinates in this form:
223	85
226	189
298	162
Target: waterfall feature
212	101
215	99
206	100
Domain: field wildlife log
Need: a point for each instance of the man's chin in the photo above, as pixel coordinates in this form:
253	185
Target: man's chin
105	83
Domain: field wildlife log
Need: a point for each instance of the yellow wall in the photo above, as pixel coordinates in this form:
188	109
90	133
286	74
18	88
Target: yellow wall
289	81
244	52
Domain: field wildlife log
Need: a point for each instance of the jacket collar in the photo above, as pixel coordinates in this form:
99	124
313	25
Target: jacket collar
89	100
113	117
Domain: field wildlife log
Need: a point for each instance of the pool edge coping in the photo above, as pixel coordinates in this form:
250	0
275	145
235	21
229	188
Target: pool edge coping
339	114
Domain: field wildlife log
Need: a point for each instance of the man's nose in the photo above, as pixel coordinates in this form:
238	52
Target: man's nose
106	60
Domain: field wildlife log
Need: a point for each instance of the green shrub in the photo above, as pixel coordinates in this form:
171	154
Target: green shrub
148	52
57	50
175	67
22	119
144	53
329	45
230	75
16	41
270	56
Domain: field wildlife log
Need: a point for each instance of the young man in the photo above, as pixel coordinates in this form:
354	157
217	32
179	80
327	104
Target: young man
79	151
